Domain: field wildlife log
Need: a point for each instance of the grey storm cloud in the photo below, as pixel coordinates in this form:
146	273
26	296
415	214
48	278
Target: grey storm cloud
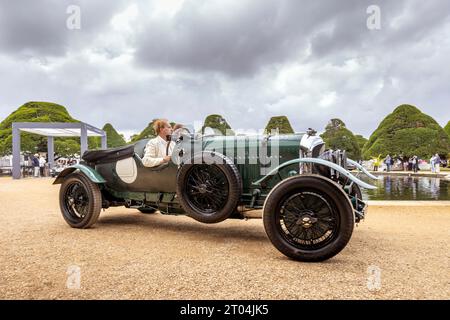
237	41
248	60
38	28
240	41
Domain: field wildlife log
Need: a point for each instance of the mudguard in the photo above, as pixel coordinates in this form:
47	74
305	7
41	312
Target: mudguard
361	168
93	175
332	165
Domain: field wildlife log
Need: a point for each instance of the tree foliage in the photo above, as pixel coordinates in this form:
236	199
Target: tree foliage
49	112
67	147
148	132
337	136
447	129
281	123
361	141
32	112
409	132
217	122
113	138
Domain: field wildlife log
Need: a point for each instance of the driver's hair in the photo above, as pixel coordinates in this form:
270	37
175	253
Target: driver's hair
159	124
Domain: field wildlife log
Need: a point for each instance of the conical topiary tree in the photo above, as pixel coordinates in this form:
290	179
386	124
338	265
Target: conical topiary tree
337	136
148	132
281	123
447	129
407	131
113	138
218	123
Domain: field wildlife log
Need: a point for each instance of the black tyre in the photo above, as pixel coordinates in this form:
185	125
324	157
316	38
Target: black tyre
209	191
308	218
355	191
356	199
147	210
80	201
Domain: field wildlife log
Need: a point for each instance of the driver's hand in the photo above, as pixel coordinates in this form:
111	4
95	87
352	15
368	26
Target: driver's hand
166	159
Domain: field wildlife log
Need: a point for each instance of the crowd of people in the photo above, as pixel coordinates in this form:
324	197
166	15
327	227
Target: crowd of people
38	164
409	164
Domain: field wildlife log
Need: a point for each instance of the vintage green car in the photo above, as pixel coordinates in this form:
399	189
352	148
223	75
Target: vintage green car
310	200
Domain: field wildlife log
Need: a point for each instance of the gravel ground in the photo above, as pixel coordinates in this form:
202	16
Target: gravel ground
128	255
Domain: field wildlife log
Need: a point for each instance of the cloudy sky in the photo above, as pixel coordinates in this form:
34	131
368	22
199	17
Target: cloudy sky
132	61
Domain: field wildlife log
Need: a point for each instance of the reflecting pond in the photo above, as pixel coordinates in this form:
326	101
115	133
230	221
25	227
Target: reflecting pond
408	188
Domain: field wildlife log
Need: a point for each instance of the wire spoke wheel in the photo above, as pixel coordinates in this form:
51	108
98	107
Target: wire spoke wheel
206	188
80	201
209	187
76	200
307	220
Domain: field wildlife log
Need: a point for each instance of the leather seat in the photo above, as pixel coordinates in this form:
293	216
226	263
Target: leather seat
108	155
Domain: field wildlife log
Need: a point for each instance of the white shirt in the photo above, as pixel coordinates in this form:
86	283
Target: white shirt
155	151
42	161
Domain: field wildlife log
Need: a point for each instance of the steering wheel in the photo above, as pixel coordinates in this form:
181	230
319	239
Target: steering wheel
178	136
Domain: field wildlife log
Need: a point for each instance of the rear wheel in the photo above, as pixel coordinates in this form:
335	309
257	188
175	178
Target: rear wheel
80	201
308	218
209	191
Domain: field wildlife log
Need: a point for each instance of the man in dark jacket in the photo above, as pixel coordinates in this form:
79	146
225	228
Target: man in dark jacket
35	164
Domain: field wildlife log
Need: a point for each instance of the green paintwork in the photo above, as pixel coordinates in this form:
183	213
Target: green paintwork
89	172
157	186
236	147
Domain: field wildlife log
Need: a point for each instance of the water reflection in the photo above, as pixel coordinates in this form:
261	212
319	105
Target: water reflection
408	188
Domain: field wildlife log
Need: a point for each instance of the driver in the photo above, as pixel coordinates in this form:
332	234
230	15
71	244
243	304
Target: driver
155	150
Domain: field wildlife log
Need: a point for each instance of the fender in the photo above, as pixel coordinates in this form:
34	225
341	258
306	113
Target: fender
93	175
318	161
361	168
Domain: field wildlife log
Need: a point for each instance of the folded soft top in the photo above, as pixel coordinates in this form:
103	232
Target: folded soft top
108	155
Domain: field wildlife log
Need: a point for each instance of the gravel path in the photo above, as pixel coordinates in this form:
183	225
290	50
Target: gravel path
128	255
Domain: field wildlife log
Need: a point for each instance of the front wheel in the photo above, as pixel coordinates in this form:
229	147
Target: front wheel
80	201
308	218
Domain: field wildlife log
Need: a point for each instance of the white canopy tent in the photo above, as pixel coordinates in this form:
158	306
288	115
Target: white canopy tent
51	130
